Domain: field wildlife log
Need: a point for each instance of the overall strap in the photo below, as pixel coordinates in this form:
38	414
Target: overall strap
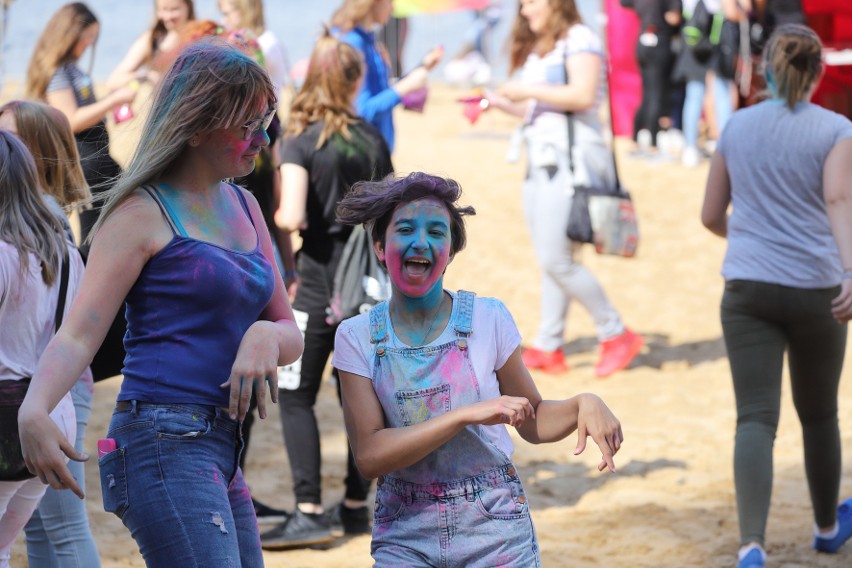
464	317
378	323
168	215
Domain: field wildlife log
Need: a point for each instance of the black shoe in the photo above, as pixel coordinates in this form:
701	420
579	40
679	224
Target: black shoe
300	529
266	515
348	520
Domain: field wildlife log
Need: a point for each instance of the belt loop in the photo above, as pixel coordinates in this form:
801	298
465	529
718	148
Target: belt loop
133	411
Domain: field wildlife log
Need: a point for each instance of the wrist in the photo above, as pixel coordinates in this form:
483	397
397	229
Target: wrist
290	275
847	274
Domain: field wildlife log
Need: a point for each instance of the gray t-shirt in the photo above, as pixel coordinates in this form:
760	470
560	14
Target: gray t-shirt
778	231
69	76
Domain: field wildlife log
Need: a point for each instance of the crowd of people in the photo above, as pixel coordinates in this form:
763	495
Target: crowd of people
185	279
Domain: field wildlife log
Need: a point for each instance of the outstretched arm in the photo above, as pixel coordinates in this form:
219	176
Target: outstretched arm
553	420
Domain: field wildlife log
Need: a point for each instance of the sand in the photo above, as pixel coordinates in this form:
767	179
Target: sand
671	503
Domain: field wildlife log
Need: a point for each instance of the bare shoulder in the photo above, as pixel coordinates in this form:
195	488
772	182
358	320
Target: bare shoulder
137	223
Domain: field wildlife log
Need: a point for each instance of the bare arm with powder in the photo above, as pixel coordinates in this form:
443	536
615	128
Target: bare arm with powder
128	238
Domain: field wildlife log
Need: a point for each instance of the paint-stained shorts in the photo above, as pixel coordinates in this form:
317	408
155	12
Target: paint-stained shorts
174	481
478	522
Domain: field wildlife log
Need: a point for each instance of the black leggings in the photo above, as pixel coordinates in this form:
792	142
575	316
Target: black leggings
761	322
298	420
655	66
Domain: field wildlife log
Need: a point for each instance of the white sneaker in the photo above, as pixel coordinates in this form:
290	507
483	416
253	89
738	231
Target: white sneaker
644	140
690	157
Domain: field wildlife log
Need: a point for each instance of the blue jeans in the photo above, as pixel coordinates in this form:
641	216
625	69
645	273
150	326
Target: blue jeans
175	482
484	521
694	102
58	533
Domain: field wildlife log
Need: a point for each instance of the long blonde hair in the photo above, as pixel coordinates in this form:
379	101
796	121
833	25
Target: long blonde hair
48	136
26	223
55	46
333	72
251	14
211	85
351	14
792	62
524	41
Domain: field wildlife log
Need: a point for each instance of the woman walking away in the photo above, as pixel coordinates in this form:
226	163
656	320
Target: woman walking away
58	533
34	251
208	320
550	43
784	167
430	380
327	148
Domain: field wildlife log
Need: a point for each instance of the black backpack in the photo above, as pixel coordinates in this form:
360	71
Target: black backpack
698	31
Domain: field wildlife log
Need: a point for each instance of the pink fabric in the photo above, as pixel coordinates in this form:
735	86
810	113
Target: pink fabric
18	499
624	79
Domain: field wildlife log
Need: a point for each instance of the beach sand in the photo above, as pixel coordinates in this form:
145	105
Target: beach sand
671	503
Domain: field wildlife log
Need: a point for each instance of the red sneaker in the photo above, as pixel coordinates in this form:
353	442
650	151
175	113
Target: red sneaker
547	361
618	352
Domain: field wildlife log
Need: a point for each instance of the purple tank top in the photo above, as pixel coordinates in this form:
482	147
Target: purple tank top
187	314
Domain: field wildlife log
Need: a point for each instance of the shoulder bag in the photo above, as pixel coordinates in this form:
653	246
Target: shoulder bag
600	215
12	393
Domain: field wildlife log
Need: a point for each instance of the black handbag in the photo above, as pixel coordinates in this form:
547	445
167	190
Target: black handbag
12	393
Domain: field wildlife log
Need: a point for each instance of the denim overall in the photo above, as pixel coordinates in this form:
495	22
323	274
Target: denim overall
463	504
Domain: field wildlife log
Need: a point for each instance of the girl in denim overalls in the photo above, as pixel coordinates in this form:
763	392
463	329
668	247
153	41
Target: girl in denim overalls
429	378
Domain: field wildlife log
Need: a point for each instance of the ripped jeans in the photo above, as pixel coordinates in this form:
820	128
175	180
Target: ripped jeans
174	481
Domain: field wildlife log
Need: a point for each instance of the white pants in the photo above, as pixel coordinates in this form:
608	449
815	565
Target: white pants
547	196
18	499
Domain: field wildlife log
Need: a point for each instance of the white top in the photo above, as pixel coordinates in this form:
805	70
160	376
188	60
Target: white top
275	60
495	337
544	120
28	310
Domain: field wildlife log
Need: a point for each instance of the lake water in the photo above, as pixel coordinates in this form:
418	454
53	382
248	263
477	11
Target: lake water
295	22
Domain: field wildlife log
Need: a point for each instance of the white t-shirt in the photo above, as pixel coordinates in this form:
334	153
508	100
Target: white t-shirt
495	337
28	310
544	120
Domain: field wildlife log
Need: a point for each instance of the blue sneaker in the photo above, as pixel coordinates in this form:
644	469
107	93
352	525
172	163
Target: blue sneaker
754	559
844	530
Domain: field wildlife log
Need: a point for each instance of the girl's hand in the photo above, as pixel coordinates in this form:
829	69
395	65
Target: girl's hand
841	306
510	410
433	57
595	419
514	91
45	447
255	369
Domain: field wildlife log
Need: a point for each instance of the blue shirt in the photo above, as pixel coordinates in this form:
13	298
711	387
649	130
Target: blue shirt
375	100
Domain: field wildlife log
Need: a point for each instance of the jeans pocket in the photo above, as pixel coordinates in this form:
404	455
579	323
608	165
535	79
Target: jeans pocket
114	482
181	425
389	507
504	502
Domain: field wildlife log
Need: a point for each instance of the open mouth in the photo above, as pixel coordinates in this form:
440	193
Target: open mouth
417	267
